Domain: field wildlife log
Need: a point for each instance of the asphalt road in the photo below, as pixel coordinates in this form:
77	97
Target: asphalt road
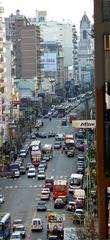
22	194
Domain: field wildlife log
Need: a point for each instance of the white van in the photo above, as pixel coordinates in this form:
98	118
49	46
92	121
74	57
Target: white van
37	224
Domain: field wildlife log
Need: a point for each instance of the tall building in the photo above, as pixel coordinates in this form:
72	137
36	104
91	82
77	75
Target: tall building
102	79
59	32
85	52
30	52
26	41
14	24
53	61
5	78
75	62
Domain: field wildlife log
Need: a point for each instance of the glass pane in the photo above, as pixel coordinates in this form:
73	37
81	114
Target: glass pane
106	10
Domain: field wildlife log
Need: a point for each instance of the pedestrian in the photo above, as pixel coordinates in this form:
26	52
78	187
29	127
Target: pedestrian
50	118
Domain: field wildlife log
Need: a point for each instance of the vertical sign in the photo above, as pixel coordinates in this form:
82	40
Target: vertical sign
1	115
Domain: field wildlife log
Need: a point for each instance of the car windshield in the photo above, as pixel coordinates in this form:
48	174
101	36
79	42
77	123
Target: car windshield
45	192
79	212
31	171
41	172
20	228
41	203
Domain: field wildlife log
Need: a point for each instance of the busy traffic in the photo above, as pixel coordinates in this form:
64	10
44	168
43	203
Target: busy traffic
43	191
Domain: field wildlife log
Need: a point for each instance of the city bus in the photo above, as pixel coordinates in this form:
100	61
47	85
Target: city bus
59	189
5	225
76	182
47	150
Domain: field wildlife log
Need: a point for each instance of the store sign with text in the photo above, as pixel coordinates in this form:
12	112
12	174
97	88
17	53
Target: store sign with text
84	123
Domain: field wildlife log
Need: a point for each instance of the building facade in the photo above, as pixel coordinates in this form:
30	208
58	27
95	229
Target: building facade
102	79
53	61
85	53
75	62
26	41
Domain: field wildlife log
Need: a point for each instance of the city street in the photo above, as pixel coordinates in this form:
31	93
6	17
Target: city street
22	194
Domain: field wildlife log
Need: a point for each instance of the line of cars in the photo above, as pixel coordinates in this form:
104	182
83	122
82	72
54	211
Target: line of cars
18	229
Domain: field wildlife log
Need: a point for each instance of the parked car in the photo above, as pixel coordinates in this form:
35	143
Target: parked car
31	173
59	203
16	222
33	136
46	116
29	165
64	122
42	134
49	183
46	157
41	175
23	153
45	195
21	229
2	198
71	206
79	145
22	170
78	216
16	173
57	145
41	166
16	236
44	162
41	206
51	134
59	137
55	114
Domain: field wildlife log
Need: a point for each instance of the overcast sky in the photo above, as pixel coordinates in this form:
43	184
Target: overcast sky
56	9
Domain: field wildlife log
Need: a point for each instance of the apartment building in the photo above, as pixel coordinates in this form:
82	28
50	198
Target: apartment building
102	79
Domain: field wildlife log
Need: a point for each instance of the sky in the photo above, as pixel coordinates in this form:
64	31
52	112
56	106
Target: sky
72	10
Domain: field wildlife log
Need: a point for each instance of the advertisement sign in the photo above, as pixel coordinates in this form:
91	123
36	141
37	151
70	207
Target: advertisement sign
84	123
56	217
50	62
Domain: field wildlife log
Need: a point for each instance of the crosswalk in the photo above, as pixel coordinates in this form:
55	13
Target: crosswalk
29	186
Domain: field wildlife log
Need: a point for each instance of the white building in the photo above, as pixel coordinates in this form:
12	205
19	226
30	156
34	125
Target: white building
85	51
59	32
75	62
7	76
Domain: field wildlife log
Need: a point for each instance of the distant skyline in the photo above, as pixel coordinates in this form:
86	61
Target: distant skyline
56	9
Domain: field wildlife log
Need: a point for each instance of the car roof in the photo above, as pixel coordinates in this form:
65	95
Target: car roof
16	233
43	202
36	219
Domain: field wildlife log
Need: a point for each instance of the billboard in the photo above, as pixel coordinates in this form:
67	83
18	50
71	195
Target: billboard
84	123
50	62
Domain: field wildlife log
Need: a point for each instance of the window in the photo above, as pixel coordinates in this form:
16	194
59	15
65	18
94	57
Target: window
107	42
84	34
106	10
